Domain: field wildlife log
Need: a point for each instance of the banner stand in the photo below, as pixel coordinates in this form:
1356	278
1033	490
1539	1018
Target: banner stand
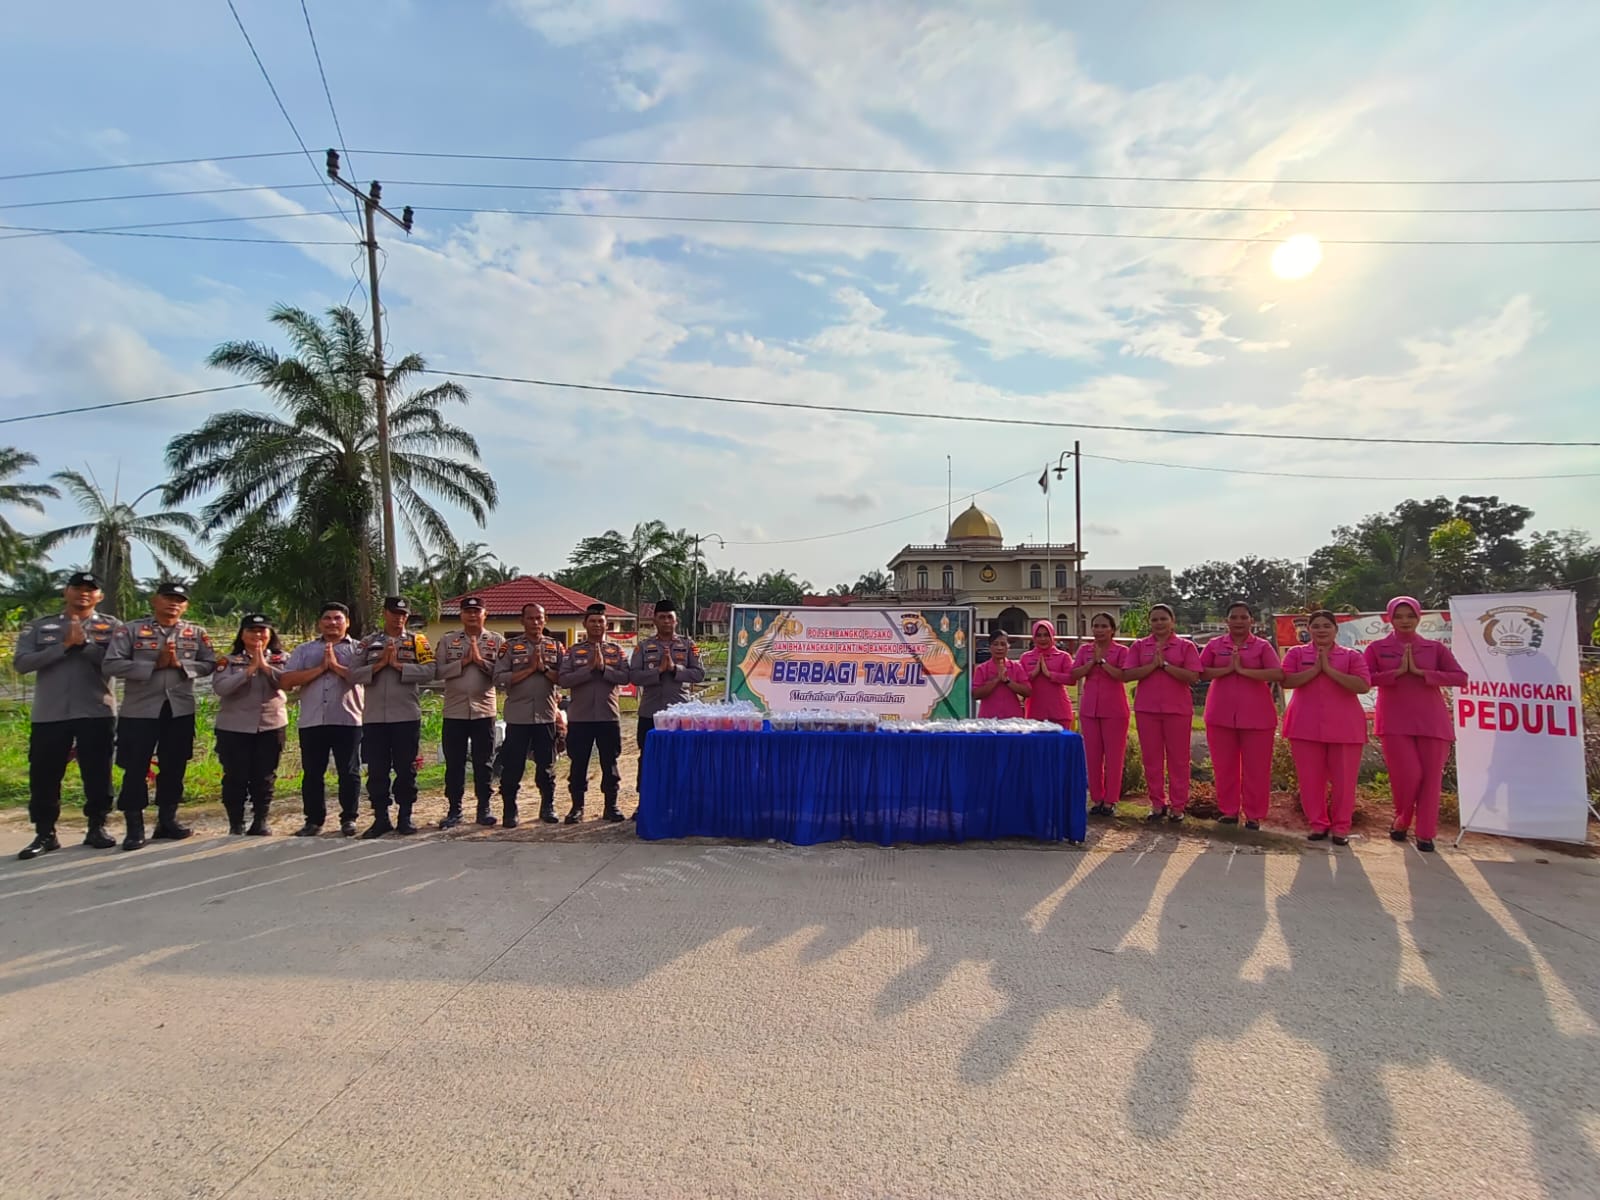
1462	832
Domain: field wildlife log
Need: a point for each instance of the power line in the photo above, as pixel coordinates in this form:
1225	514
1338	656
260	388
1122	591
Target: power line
218	191
1050	233
317	54
822	537
968	174
980	200
160	162
863	198
207	221
817	168
34	230
65	412
271	87
659	394
1138	462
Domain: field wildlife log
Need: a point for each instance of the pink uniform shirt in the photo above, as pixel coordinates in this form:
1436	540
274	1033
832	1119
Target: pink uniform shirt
1409	704
1002	702
1099	695
1323	710
1234	701
1049	700
1161	693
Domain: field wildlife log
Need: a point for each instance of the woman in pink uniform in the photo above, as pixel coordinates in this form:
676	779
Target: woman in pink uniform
1240	716
1326	725
997	682
1102	712
1164	666
1413	722
1049	670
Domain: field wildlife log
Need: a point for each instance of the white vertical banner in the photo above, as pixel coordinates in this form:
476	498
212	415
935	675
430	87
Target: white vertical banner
1519	720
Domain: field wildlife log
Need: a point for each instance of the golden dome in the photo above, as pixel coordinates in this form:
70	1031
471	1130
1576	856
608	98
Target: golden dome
974	525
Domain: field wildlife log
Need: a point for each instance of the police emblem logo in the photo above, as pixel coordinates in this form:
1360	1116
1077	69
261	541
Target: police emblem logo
1512	630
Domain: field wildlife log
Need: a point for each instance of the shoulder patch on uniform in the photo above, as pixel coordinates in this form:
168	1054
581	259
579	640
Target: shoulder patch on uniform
424	651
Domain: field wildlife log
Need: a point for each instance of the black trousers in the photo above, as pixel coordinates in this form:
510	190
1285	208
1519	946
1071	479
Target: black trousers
463	736
249	770
317	744
646	724
540	740
50	746
584	737
390	749
167	739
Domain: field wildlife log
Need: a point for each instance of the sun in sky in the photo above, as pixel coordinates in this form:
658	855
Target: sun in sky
1297	257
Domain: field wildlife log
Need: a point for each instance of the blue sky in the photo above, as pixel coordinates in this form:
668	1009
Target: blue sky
1453	342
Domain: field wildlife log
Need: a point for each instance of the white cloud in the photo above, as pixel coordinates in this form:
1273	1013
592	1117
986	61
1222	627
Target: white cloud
568	22
849	501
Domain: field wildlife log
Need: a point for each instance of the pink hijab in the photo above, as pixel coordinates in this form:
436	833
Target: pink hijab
1388	613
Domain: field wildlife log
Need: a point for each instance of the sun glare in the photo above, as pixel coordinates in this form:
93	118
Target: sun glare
1297	257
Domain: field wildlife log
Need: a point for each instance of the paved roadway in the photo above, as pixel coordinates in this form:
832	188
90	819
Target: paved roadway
470	1017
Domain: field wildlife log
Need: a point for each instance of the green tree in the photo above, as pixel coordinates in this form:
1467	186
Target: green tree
467	568
313	466
1453	555
35	589
779	587
622	569
114	527
873	583
31	496
1568	561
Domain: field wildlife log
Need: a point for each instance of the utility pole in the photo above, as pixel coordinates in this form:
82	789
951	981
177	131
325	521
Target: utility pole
694	603
1077	543
370	203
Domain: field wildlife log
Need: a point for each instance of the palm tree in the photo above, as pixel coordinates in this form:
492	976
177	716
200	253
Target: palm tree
18	495
35	589
115	525
874	583
653	558
315	467
462	569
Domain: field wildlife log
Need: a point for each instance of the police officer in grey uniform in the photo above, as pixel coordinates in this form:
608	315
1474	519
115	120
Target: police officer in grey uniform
72	705
465	662
389	665
252	722
158	658
594	669
528	671
663	668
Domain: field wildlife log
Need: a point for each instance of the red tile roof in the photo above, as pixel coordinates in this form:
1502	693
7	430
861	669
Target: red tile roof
506	599
717	613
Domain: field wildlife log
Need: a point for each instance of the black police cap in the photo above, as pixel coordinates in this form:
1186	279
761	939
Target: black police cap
396	604
87	579
174	589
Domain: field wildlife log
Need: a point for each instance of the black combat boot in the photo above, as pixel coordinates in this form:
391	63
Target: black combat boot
98	837
485	817
167	827
135	835
380	824
575	813
611	813
258	824
347	827
308	830
453	817
508	814
404	826
44	842
547	810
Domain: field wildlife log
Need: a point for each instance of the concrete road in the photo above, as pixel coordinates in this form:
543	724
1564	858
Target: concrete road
470	1017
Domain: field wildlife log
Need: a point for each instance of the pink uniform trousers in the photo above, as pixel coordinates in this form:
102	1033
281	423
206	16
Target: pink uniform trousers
1105	746
1416	773
1164	746
1322	766
1241	760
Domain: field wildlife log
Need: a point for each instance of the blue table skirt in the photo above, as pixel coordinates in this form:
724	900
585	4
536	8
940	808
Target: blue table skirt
805	788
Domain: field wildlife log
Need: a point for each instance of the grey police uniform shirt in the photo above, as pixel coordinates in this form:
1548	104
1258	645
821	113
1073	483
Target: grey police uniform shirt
657	688
132	655
594	693
70	686
327	699
251	703
468	688
392	695
535	700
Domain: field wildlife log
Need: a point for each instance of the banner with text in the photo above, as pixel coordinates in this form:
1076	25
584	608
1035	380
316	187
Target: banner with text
1358	631
1519	720
906	664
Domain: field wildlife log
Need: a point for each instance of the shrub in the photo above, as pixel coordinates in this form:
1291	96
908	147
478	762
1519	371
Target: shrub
1284	778
1133	780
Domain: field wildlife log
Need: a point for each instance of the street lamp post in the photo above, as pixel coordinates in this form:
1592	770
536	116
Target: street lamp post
1077	543
694	571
